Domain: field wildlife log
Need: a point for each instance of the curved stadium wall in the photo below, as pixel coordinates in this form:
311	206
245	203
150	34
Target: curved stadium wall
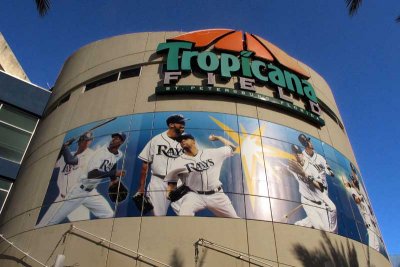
129	85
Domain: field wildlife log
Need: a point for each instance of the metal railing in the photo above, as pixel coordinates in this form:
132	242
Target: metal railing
235	253
138	255
23	252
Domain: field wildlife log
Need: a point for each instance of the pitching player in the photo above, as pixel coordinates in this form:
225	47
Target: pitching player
365	210
200	172
316	159
102	164
70	167
321	211
157	155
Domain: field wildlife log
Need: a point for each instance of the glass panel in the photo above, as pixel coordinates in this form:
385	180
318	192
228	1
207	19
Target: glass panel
13	142
258	208
18	118
4	184
200	120
3	197
254	176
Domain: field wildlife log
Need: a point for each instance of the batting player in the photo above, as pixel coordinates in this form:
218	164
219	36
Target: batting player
316	159
364	208
101	165
321	211
200	172
157	155
70	166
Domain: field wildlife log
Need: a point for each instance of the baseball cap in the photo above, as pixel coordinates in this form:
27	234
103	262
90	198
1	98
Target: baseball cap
185	136
296	149
86	137
176	118
304	139
353	168
121	135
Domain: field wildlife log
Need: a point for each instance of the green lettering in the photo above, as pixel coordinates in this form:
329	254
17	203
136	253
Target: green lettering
187	59
173	49
208	61
309	91
245	60
256	66
276	76
290	78
229	63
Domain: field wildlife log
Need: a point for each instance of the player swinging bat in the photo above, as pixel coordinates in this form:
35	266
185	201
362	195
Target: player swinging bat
70	167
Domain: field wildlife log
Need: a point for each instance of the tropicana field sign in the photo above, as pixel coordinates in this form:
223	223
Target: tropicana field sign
251	58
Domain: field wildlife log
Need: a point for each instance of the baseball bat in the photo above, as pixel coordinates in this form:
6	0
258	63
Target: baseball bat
290	213
73	139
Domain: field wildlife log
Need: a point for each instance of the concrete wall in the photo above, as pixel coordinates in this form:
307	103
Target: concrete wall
8	61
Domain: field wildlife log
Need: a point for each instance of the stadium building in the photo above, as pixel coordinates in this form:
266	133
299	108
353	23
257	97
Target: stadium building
252	133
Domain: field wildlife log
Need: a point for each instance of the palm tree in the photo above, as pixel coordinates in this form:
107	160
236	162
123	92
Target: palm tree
353	6
42	6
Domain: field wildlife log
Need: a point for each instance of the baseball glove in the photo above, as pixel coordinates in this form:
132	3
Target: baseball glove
296	167
116	195
178	193
142	202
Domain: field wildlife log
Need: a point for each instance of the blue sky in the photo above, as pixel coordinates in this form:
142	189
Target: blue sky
359	58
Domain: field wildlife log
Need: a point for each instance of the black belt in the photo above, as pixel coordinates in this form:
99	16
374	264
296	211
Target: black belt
159	176
209	192
313	201
85	188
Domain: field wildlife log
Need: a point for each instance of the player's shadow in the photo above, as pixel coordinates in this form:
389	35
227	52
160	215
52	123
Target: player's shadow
328	254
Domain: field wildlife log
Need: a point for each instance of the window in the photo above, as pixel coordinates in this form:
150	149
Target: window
129	73
105	80
120	75
5	187
16	129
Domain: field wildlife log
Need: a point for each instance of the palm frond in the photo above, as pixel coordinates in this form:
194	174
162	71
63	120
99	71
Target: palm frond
42	6
353	6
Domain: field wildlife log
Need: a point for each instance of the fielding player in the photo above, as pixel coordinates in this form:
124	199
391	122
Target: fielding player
365	209
101	165
70	167
316	159
158	154
200	171
320	210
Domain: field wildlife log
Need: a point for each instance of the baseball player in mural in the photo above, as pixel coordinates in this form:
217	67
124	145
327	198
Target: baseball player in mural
365	209
199	170
320	210
70	167
316	159
101	165
158	155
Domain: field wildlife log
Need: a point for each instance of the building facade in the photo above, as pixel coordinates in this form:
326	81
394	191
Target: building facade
272	177
21	106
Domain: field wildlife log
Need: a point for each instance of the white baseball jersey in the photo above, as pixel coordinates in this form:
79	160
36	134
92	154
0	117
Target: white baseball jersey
324	215
160	151
306	187
70	174
103	160
363	208
201	172
320	163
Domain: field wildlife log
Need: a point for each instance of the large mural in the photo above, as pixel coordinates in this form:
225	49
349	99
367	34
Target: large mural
207	164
